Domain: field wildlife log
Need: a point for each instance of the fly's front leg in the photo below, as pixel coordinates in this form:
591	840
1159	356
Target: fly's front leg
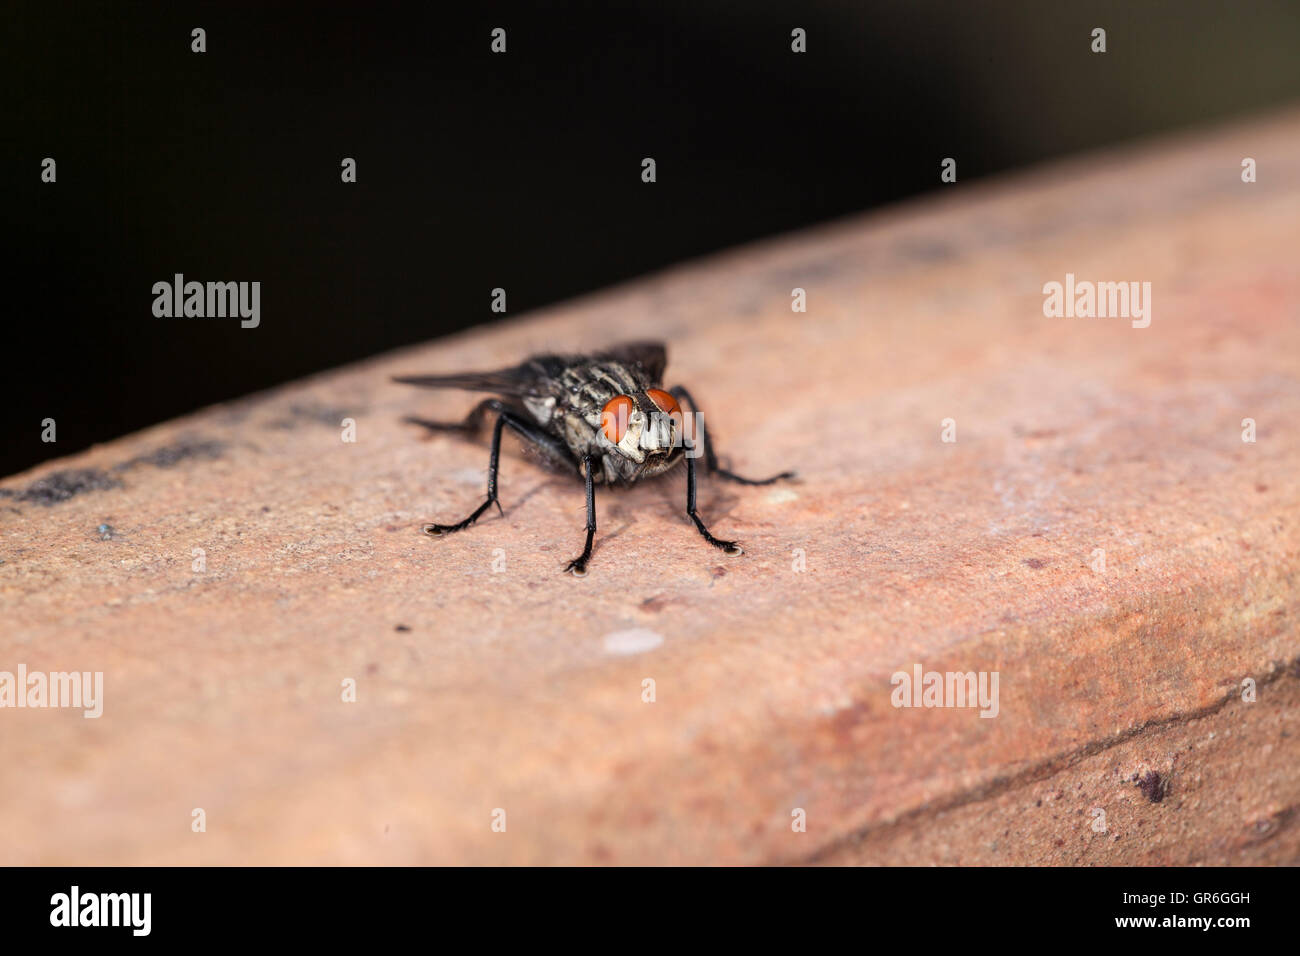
730	547
493	464
578	566
710	457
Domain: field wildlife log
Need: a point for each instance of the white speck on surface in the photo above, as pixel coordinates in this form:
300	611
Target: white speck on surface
638	640
780	496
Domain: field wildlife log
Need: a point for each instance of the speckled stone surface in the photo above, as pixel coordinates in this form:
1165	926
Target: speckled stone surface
253	562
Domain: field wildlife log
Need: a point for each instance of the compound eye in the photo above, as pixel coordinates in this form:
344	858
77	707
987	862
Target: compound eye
614	417
667	404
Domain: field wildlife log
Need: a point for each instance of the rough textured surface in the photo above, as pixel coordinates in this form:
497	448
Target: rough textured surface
521	688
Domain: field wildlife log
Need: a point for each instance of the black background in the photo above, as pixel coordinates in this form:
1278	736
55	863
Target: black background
520	170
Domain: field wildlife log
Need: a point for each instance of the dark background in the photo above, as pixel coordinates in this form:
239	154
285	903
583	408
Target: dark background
519	170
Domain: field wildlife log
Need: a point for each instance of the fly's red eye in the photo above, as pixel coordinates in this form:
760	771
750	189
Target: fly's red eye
613	419
667	404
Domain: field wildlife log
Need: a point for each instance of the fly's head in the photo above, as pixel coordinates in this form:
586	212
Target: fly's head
644	430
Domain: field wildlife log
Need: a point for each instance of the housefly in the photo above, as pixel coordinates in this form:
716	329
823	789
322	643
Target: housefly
604	417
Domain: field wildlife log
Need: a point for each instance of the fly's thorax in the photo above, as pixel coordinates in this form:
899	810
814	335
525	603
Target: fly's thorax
579	435
542	408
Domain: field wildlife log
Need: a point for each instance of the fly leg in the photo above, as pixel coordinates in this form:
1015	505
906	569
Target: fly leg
493	464
729	547
710	457
579	564
473	421
545	443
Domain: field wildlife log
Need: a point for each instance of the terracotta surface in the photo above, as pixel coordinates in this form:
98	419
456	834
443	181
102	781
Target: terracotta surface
521	688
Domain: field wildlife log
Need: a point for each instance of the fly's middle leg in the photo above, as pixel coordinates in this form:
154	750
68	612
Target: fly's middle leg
493	466
548	445
578	566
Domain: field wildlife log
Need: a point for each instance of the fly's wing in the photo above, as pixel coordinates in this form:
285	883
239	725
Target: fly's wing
651	356
521	381
538	376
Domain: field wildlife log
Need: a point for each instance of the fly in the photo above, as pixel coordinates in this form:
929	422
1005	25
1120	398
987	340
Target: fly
605	418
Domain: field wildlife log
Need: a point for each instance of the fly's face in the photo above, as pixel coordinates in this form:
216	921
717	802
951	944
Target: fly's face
644	431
